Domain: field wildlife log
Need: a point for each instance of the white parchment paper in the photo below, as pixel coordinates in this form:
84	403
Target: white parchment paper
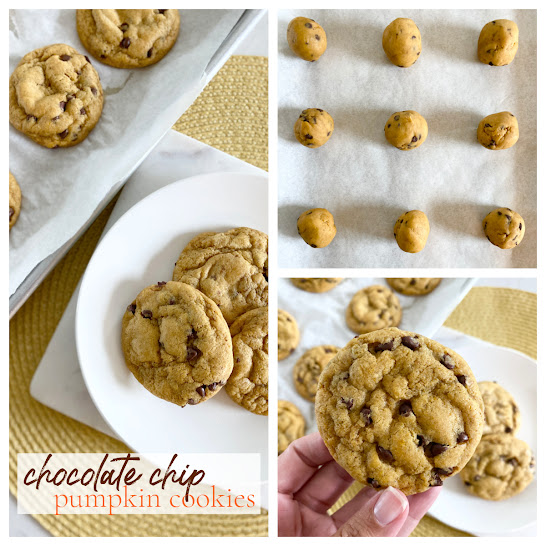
365	182
62	187
321	321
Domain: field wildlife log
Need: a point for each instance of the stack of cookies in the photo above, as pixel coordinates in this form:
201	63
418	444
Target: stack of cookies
184	340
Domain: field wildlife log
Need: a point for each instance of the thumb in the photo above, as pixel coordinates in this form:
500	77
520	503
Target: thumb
382	515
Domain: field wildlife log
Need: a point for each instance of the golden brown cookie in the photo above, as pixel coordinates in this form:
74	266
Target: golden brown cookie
316	285
395	408
55	96
176	343
373	308
128	38
14	200
291	425
248	383
306	38
308	368
413	286
288	334
501	411
504	228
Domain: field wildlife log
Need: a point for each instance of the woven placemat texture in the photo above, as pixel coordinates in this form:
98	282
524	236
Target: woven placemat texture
231	113
482	314
231	117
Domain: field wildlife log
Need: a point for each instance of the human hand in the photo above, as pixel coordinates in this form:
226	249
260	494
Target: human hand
310	482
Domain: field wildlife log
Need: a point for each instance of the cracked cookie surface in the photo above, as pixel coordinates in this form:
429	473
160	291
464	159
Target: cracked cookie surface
248	382
414	286
398	409
229	267
288	334
14	200
176	343
128	38
316	285
55	96
291	425
501	411
372	308
308	368
501	467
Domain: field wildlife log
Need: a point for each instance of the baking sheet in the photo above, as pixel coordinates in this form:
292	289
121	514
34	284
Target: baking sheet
321	321
365	182
63	187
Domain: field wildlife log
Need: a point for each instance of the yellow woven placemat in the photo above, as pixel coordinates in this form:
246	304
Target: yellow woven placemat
482	314
231	115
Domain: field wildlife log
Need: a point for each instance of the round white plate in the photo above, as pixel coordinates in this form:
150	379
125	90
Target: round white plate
517	373
139	250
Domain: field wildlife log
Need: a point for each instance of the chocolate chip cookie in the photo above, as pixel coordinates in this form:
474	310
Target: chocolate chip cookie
176	343
55	96
373	308
414	287
316	285
398	409
288	334
501	412
309	367
291	425
229	267
248	383
128	38
14	200
501	467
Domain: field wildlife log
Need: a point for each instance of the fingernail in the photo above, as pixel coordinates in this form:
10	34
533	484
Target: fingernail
390	504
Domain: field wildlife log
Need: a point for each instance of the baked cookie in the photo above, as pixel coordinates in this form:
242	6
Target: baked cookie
373	308
176	343
504	228
501	412
314	127
501	467
306	38
402	42
291	425
406	130
317	227
414	287
498	131
309	367
14	200
230	268
128	38
498	42
55	96
398	409
248	383
288	334
411	231
316	285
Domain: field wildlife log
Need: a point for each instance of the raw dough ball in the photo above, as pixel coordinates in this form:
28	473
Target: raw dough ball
504	228
498	131
411	231
314	127
498	42
306	38
317	228
402	42
406	130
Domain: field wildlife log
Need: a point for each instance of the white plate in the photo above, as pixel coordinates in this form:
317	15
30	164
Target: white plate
141	249
518	374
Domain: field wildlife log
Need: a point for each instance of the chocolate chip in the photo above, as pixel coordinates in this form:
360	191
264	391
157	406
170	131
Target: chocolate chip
405	408
125	43
447	361
468	484
513	461
490	63
172	301
410	343
192	353
308	25
237	360
62	105
123	27
94	90
508	217
146	314
192	335
87	59
63	134
162	11
434	449
414	139
131	308
201	390
396	118
348	402
385	346
161	283
384	454
508	430
83	112
443	471
317	37
313	246
149	54
373	483
308	137
436	481
65	57
11	212
212	386
366	415
420	440
56	118
487	125
414	37
192	402
461	379
462	437
29	117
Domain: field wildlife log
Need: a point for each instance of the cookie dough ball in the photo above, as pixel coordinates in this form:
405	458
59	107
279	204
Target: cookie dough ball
288	334
317	228
306	38
314	127
14	200
373	308
502	414
504	228
498	42
308	368
291	425
411	231
402	42
414	286
406	130
498	131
